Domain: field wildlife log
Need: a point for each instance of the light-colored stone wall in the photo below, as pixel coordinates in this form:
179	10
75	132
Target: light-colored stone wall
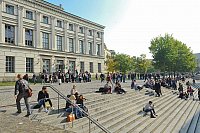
20	51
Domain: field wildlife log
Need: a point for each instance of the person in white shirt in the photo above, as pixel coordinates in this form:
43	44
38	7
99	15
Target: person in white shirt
149	107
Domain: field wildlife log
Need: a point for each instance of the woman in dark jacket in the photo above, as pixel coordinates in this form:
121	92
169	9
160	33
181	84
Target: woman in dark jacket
43	96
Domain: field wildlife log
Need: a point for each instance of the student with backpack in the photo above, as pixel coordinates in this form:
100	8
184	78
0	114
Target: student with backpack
22	91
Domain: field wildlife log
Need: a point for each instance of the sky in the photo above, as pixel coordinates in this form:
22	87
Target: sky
132	24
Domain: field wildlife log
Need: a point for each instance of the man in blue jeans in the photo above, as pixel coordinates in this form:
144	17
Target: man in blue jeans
150	108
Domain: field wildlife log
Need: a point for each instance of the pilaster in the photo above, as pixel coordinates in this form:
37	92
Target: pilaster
20	26
76	39
53	45
66	43
102	44
37	32
85	41
94	44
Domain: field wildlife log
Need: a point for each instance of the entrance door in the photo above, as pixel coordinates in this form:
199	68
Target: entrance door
72	66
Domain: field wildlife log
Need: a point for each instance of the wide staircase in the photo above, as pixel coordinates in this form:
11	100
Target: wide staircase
122	113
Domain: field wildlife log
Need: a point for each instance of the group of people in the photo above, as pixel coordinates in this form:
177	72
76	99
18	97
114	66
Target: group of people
43	99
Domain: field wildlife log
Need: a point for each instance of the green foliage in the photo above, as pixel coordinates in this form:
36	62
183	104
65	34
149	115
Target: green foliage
171	55
142	64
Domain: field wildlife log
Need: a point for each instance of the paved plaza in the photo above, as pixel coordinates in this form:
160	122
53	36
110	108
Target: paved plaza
11	123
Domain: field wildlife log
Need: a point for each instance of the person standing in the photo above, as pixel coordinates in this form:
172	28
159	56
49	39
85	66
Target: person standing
21	91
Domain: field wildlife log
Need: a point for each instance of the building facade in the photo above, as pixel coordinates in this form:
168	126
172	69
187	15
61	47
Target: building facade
37	36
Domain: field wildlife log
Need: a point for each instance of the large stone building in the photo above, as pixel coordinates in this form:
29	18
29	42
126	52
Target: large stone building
37	36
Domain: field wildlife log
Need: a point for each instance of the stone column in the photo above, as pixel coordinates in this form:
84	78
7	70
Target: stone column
85	41
20	26
76	39
66	44
1	27
37	31
102	44
94	44
52	44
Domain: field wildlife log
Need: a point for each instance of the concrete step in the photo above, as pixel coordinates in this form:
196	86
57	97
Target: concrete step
197	128
176	116
163	120
142	121
97	111
183	118
109	110
124	120
188	121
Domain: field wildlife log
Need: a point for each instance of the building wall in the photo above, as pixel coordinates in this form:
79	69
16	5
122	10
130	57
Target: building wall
20	51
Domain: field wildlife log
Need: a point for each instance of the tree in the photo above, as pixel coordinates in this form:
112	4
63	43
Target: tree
123	62
171	55
142	64
110	63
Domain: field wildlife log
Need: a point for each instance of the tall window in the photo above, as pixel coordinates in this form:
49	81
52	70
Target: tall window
10	9
71	45
45	40
98	49
9	34
45	19
10	64
99	67
90	48
81	29
59	23
28	37
91	67
59	43
82	67
46	65
90	32
29	65
81	47
98	34
29	15
71	27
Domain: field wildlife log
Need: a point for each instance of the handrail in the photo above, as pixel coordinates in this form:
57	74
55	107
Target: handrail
86	114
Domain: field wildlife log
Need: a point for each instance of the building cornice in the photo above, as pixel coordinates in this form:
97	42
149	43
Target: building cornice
58	9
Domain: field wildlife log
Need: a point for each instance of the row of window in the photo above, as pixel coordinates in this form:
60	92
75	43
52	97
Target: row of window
45	20
10	38
10	65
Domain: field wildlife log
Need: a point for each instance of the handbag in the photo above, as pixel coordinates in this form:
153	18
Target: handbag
30	93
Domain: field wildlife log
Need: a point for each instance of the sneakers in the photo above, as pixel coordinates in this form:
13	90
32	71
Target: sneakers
46	110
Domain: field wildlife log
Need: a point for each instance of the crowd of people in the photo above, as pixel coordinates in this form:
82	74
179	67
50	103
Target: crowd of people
112	85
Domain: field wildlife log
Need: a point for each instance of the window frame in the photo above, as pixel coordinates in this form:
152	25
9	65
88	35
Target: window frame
29	15
28	42
91	67
29	65
59	41
45	40
10	11
71	45
99	68
82	66
9	34
45	19
10	64
71	27
59	24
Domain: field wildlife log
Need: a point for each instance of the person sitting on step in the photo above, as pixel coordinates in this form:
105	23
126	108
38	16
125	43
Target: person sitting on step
80	103
107	89
118	88
149	107
43	99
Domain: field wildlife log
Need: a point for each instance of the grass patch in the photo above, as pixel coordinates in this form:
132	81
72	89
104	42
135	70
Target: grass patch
7	83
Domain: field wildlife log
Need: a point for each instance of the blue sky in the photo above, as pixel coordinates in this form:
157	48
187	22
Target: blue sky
131	24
